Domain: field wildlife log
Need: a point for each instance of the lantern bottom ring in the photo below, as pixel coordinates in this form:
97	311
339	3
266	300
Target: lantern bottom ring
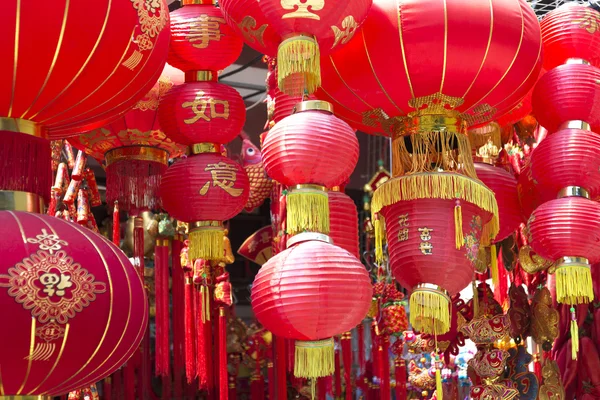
433	288
575	124
201	76
12	200
573	191
574	281
22	126
25	397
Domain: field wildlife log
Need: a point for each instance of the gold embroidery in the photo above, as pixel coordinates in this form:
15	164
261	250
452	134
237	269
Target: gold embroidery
251	32
552	389
403	233
151	100
425	246
50	332
301	8
203	30
435	104
481	113
199	106
152	15
344	35
224	176
589	22
42	352
133	61
49	242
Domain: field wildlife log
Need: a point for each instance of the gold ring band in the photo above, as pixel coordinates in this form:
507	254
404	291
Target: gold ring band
22	126
139	153
21	201
200	148
573	191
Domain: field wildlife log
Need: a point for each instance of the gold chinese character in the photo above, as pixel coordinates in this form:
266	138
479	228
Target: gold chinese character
403	220
403	235
425	233
588	22
224	176
204	29
252	33
199	106
55	283
426	248
301	8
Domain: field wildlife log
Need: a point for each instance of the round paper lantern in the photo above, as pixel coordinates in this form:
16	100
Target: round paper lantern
310	151
201	39
469	60
202	112
306	29
570	31
74	306
567	230
303	293
568	93
343	221
135	149
205	190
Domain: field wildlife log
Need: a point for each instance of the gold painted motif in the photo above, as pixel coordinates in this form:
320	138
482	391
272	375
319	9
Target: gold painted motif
48	242
589	22
50	332
153	17
435	104
482	113
42	352
544	322
403	222
223	176
200	105
204	29
344	35
426	246
251	32
552	389
302	8
533	263
151	100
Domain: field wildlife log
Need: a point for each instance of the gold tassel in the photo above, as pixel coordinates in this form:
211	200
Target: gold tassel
203	311
378	226
206	310
475	299
438	384
574	284
458	227
307	210
314	359
574	335
429	311
206	242
494	266
298	66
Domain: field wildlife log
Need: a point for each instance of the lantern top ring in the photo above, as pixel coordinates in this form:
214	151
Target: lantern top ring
199	225
573	191
200	148
571	261
313	105
192	2
137	152
575	124
201	76
577	61
21	201
430	287
22	126
308	236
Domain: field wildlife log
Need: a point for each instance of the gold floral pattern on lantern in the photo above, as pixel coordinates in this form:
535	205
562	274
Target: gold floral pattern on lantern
251	32
151	100
152	14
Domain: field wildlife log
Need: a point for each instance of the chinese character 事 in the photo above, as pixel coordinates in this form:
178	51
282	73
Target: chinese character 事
223	176
205	29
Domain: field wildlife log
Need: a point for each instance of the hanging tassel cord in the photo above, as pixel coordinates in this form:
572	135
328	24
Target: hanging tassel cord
574	334
223	388
337	377
178	285
190	362
385	367
280	366
202	345
161	270
347	360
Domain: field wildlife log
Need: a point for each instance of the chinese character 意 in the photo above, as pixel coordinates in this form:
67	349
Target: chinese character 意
425	233
199	106
426	248
224	176
403	235
203	30
55	283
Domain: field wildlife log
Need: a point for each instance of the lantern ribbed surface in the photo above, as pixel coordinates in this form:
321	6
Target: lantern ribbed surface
571	31
343	222
311	291
565	93
74	306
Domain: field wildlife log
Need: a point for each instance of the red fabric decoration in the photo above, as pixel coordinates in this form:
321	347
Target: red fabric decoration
201	40
202	112
178	287
161	289
73	300
343	222
566	93
530	195
568	32
485	69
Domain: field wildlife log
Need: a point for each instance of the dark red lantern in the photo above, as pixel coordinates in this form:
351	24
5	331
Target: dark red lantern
310	151
75	307
518	112
530	194
303	293
205	190
343	221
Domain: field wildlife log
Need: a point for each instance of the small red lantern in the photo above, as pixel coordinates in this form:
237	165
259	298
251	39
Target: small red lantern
76	308
343	221
310	151
303	293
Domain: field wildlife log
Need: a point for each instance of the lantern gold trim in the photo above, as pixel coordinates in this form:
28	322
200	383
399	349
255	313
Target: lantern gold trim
307	209
139	153
200	148
21	201
313	105
314	359
25	397
429	309
576	124
308	236
573	191
200	76
298	65
192	2
22	126
574	280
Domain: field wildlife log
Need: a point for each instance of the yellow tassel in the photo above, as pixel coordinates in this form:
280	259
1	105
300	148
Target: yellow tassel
458	227
378	226
475	299
494	266
206	310
438	384
429	311
206	242
574	335
314	359
298	66
574	284
307	210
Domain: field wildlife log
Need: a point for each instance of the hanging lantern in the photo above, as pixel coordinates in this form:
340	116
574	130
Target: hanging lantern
303	30
518	112
310	151
93	72
75	306
135	149
343	221
302	294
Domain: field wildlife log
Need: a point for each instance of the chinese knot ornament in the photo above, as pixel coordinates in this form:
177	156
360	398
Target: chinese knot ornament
303	29
302	294
135	149
91	73
310	151
76	307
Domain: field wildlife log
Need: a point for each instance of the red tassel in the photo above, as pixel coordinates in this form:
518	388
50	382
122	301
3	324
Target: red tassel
166	388
190	361
116	225
347	354
117	384
336	377
223	390
322	388
384	375
257	388
210	339
138	244
271	375
202	346
291	353
374	348
107	388
129	378
161	287
280	365
537	367
135	183
400	376
360	330
178	285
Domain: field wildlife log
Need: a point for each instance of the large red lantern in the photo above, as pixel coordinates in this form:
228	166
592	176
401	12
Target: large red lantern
310	151
343	221
303	30
135	149
75	308
92	72
303	293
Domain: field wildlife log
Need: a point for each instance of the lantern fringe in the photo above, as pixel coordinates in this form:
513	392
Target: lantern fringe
307	210
298	66
314	359
441	185
458	227
574	284
494	266
429	311
207	242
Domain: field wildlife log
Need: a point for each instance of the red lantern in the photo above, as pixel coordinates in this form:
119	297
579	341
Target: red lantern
303	293
205	190
418	55
568	93
310	151
307	28
518	112
530	195
201	40
75	307
343	221
570	31
135	149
